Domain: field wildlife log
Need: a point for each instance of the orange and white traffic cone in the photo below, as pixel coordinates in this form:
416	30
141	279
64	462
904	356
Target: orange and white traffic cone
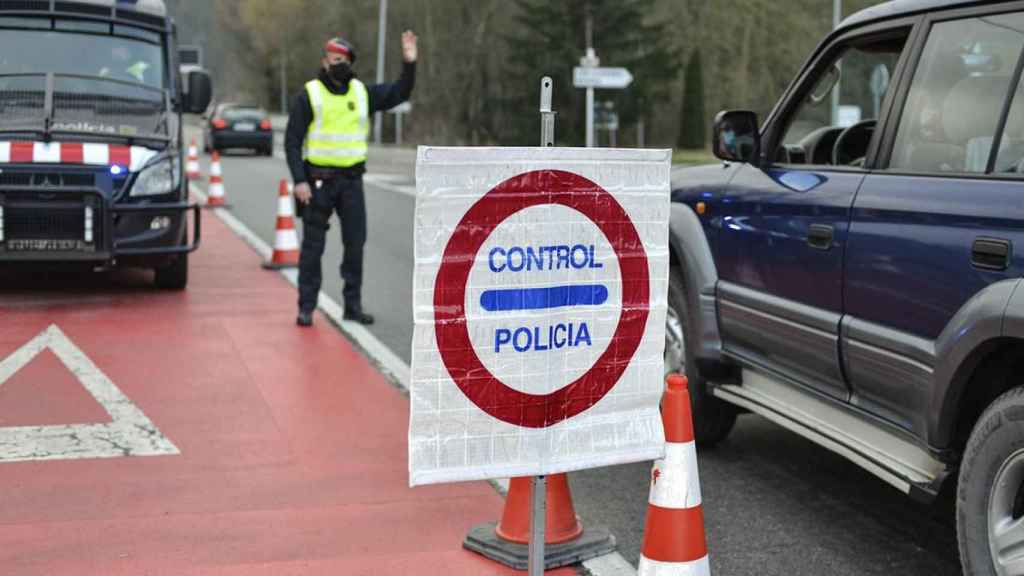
674	540
286	241
215	192
560	524
192	166
566	542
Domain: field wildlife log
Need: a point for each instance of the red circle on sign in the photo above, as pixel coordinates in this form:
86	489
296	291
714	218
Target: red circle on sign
451	329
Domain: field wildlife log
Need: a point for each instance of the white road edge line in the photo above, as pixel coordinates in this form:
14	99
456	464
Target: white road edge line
393	367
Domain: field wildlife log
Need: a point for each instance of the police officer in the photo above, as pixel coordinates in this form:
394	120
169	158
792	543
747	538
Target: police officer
325	144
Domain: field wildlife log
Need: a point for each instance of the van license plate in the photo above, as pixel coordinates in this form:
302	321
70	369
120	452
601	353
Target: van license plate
45	245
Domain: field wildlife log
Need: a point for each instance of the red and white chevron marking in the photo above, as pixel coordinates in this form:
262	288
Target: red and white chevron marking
131	157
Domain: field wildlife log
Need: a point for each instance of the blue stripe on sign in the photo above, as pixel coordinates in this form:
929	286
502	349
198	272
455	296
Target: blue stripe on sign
543	298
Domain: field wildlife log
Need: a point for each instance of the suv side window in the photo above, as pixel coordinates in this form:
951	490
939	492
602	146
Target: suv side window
1010	156
957	95
848	92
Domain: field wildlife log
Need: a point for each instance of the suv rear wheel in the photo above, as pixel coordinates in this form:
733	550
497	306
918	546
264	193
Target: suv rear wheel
174	276
712	418
990	496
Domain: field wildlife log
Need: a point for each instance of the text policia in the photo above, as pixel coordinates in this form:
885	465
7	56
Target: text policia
502	260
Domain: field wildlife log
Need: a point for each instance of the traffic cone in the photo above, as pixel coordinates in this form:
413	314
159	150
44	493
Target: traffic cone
674	530
566	542
561	523
215	192
192	166
286	241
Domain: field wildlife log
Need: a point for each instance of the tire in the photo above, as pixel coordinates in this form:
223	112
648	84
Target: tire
994	454
174	276
713	419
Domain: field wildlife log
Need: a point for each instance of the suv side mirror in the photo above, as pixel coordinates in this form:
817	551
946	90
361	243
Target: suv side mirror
200	92
735	136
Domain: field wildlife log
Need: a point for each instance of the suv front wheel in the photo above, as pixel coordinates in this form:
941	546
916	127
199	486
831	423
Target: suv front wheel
990	495
712	418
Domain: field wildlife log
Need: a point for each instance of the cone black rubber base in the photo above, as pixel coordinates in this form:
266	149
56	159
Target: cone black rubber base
272	266
594	542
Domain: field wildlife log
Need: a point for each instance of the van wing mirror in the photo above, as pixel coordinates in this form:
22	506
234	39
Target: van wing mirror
736	136
200	92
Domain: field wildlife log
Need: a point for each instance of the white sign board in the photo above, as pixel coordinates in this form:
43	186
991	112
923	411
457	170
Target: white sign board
539	301
607	78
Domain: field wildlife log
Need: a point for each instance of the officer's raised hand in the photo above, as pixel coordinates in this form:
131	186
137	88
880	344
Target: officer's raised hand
409	51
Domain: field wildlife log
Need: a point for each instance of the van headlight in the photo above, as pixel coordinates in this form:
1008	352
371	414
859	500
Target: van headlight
162	177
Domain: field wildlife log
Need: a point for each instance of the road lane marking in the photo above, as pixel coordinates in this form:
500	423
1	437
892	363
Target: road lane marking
389	182
393	367
129	433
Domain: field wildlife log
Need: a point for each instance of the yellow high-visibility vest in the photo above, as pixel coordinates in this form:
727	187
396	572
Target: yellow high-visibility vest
337	135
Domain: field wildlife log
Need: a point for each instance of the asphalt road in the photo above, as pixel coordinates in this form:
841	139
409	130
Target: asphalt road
774	503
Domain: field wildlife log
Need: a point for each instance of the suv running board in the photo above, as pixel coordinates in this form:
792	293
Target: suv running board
899	462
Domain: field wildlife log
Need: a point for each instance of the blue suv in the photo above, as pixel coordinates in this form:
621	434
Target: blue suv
848	271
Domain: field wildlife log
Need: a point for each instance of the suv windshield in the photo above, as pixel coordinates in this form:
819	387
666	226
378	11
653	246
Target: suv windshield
102	84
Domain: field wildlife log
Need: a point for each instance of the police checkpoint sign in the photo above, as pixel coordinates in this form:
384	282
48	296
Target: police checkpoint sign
540	287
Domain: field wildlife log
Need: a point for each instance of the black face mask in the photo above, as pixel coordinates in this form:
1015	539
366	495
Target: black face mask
341	73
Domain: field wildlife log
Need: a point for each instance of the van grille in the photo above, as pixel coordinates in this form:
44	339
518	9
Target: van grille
50	223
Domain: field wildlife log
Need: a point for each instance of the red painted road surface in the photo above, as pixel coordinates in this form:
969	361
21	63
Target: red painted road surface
293	447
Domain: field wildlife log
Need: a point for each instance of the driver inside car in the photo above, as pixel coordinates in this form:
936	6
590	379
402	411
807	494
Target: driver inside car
123	67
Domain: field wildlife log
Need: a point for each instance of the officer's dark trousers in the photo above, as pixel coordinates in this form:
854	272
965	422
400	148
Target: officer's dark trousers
344	196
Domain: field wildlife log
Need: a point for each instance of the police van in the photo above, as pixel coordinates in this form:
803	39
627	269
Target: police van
91	103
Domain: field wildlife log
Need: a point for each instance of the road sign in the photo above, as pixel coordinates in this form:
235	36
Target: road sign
601	78
128	433
541	283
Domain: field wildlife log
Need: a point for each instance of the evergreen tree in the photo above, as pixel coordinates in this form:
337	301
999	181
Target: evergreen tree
693	120
550	38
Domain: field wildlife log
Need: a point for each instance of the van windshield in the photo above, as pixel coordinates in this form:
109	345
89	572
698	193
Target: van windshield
101	84
105	56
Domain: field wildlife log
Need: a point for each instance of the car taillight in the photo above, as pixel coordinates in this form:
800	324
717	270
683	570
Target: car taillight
265	125
219	123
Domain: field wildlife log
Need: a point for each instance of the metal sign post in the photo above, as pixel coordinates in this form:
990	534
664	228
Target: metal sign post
547	115
538	512
590	76
382	30
538	485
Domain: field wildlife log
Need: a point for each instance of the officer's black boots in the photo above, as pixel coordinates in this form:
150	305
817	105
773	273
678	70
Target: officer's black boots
356	314
304	318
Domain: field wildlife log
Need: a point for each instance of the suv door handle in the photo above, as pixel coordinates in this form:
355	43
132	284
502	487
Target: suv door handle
820	236
991	253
